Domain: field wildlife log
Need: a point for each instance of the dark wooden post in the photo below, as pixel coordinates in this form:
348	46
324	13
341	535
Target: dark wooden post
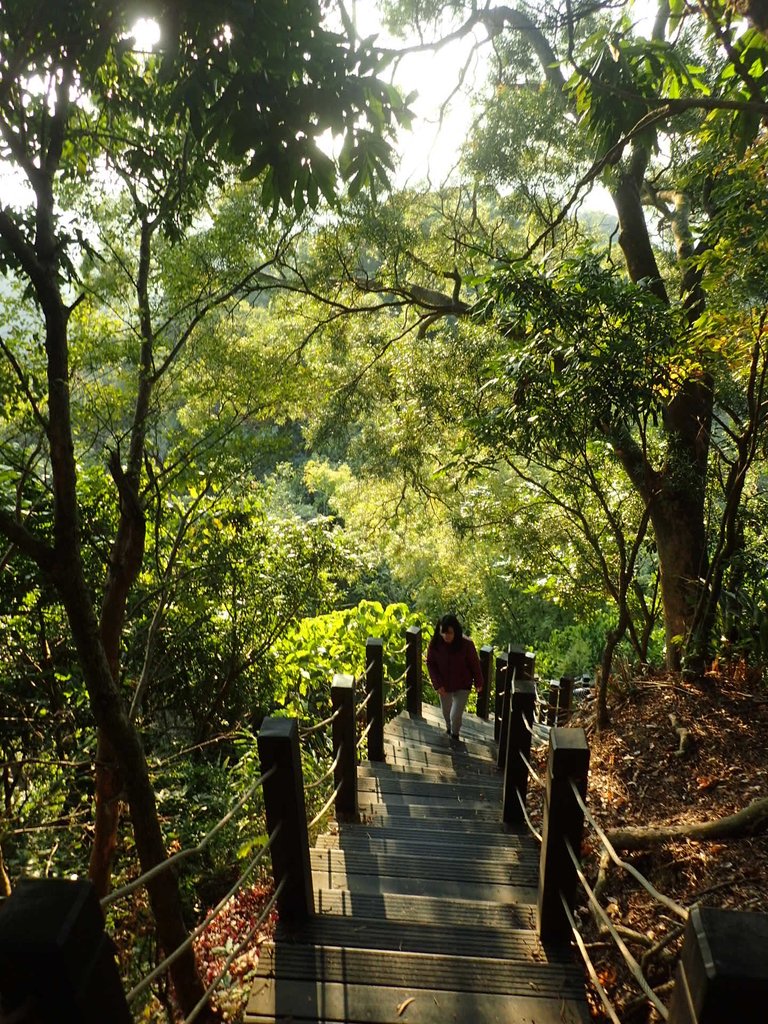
518	742
278	743
57	965
563	819
413	671
506	705
529	665
722	974
483	699
374	684
345	745
553	702
501	682
566	697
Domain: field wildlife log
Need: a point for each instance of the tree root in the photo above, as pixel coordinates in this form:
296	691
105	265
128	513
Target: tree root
749	821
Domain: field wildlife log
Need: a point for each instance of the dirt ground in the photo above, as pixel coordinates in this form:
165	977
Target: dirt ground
676	753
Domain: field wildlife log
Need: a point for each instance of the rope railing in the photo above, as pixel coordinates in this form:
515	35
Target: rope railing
531	771
665	901
399	679
531	828
364	734
630	961
158	869
326	806
243	944
325	776
593	975
163	966
311	729
364	704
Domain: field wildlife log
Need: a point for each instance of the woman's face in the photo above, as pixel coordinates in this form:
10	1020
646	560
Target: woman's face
447	634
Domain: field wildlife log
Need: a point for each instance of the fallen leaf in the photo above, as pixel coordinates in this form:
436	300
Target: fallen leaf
404	1005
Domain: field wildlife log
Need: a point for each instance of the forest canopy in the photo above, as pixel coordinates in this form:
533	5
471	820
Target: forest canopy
259	402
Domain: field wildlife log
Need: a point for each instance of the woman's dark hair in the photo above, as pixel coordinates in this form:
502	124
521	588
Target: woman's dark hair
442	624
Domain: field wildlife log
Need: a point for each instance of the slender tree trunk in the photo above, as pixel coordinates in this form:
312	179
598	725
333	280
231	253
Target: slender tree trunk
123	740
5	882
66	572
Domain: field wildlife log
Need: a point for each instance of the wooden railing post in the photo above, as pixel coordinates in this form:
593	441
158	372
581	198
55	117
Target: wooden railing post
563	820
501	682
278	743
483	699
413	671
566	697
519	666
57	964
506	704
553	703
374	684
722	974
518	742
345	745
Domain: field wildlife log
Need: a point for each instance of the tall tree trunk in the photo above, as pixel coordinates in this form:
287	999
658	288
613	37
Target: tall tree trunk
674	493
66	571
612	641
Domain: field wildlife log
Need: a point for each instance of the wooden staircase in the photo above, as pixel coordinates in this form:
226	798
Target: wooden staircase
425	909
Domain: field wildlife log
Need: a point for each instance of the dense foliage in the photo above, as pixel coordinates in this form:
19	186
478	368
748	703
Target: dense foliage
258	407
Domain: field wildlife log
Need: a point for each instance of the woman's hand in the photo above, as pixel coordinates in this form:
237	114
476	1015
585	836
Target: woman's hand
441	690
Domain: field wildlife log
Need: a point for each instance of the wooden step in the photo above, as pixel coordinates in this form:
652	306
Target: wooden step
426	909
438	740
354	966
422	790
479	835
415	937
440	769
437	844
417	876
294	1001
518	868
371	806
363	985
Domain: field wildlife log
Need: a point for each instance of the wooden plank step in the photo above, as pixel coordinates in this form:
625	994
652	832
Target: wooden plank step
334	877
480	726
403	807
485	835
425	909
433	712
416	787
403	724
432	718
413	937
520	867
309	1002
417	845
445	771
440	742
358	873
388	968
399	824
415	806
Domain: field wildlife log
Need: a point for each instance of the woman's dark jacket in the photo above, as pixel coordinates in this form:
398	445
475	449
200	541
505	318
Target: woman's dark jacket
454	666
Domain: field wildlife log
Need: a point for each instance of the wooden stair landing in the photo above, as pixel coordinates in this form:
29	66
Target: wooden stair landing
426	908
